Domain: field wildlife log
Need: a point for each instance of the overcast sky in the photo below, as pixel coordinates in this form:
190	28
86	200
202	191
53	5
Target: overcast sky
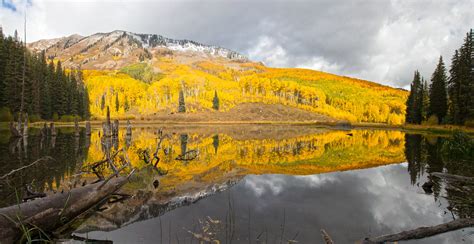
382	41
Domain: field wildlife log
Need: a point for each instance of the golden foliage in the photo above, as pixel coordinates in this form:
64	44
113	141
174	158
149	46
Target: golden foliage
221	154
336	96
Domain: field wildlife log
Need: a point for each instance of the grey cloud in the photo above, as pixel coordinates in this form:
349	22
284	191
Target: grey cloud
383	41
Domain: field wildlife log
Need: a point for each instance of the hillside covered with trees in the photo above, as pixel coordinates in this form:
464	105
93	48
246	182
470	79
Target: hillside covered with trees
50	91
142	76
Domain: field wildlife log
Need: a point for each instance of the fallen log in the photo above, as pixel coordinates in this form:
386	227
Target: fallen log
422	232
451	177
54	211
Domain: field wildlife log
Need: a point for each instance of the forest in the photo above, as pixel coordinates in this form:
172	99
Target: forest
134	92
447	99
49	91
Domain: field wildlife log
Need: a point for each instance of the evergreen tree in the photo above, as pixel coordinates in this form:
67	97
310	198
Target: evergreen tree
47	87
126	105
215	101
102	102
117	103
182	105
414	101
59	91
74	95
438	96
471	79
3	58
465	79
13	76
454	83
425	104
86	111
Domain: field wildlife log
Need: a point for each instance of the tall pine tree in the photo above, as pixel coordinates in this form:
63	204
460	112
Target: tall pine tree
425	104
454	85
414	101
438	95
47	87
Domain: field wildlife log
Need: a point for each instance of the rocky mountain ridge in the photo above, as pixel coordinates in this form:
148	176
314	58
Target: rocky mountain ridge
119	48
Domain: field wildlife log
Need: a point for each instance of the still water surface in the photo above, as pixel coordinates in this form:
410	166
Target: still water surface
251	184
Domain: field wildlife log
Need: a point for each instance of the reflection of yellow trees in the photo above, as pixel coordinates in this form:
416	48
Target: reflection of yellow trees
221	154
332	95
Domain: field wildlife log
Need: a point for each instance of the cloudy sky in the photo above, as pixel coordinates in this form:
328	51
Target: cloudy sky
382	41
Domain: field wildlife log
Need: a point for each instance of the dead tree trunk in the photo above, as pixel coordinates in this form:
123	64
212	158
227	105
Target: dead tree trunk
13	130
25	126
52	212
44	131
422	232
52	130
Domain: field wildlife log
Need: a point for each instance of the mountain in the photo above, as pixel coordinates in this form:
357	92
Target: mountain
117	49
141	76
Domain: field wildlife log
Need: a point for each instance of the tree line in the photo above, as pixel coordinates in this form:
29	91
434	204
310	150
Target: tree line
50	91
447	100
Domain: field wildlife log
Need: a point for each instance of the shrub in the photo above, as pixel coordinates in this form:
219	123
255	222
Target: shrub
432	120
70	118
55	117
469	123
459	146
34	118
5	114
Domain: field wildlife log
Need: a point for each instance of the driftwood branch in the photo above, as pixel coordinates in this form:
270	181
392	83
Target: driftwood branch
451	177
26	166
422	232
53	212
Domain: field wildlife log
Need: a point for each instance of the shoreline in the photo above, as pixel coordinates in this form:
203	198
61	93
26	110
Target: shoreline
437	129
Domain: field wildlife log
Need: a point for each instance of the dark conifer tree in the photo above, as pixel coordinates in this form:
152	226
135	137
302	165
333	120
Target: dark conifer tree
181	105
3	58
438	96
215	101
47	88
454	83
425	104
117	103
86	111
126	105
102	102
414	101
465	79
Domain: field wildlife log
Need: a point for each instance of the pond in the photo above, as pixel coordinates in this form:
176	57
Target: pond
250	183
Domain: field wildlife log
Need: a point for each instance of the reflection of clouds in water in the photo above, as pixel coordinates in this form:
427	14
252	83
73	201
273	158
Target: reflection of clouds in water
349	205
274	184
394	202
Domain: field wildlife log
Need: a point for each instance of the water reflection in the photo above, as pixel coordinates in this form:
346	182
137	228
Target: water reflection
278	208
264	174
69	152
424	157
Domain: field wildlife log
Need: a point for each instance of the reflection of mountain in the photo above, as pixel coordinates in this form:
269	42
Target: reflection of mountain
223	160
147	203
